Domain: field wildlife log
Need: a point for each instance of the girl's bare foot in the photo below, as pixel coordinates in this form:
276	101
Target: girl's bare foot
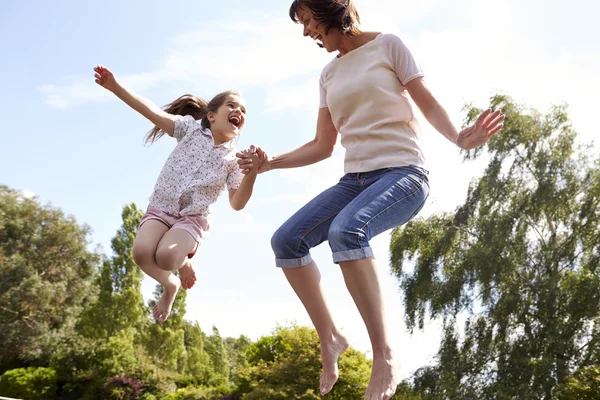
385	377
331	350
187	275
162	308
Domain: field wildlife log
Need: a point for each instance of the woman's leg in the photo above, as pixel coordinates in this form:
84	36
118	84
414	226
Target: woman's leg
144	254
390	200
291	244
362	281
306	282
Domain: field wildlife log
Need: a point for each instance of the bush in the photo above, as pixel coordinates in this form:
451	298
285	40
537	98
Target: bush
29	383
199	393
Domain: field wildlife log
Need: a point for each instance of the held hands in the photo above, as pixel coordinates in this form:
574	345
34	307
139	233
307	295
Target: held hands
105	78
486	125
253	160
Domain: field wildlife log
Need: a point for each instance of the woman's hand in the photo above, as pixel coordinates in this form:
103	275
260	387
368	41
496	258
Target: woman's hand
486	125
254	158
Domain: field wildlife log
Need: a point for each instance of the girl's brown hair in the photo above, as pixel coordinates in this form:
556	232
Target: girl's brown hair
338	14
191	105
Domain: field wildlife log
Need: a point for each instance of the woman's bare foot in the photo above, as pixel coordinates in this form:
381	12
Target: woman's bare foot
385	377
187	275
330	352
162	308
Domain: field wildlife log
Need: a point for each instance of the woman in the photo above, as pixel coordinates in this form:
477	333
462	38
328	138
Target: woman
363	97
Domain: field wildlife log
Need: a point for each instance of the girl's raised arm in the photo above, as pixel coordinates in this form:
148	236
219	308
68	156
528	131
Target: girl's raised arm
163	120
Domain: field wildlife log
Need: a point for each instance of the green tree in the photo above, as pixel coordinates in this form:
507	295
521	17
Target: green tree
166	341
119	304
198	361
287	365
45	276
583	385
111	327
214	346
520	258
237	353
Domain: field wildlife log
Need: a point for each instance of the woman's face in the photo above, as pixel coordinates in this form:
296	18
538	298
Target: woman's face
316	31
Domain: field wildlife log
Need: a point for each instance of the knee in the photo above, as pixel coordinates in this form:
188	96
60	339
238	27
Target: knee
168	259
142	254
345	233
282	239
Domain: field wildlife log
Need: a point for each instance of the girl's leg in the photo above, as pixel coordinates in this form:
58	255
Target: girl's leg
291	244
172	254
144	254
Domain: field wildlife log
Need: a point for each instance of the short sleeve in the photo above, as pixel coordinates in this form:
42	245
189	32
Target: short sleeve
403	62
184	125
234	179
322	91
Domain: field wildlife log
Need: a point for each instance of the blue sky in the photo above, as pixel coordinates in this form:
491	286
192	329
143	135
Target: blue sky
76	146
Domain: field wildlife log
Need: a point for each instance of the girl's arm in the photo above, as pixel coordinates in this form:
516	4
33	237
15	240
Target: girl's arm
238	198
106	79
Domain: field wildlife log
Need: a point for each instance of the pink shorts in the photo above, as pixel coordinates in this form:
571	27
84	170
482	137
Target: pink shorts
195	225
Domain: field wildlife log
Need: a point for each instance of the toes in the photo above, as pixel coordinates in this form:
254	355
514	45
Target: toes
327	382
324	387
389	393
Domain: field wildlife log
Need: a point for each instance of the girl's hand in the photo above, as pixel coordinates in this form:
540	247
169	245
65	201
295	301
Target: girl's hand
105	78
486	125
253	159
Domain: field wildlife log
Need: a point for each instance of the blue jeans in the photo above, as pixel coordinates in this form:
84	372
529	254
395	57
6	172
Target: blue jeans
361	206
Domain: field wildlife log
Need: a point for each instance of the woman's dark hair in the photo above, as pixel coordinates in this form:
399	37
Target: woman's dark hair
339	14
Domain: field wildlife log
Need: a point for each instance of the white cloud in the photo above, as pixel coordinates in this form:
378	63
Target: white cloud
314	179
243	55
28	194
285	97
80	92
246	216
386	15
253	228
294	197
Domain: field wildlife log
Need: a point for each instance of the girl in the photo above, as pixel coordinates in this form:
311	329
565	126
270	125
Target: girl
195	174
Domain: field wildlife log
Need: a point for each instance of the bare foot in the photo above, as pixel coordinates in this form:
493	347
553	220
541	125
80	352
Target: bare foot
187	275
385	377
162	309
330	352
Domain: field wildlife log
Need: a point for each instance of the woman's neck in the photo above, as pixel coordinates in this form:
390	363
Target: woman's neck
349	43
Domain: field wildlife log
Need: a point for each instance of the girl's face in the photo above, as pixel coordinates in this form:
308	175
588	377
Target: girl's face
229	119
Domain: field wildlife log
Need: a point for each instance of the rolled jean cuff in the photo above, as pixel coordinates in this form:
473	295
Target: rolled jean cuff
293	262
351	255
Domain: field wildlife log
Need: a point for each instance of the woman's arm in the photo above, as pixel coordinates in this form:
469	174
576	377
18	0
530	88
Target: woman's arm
318	149
486	125
431	109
